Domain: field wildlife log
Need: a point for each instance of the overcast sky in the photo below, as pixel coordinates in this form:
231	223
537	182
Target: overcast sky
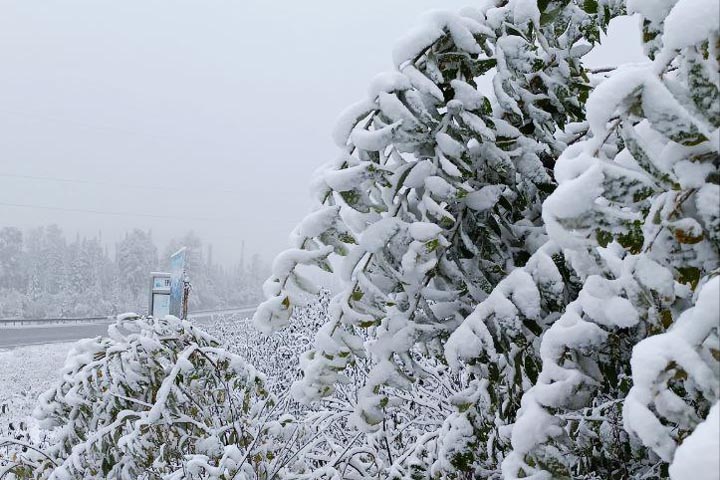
208	115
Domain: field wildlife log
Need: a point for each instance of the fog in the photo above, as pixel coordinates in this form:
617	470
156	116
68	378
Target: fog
187	115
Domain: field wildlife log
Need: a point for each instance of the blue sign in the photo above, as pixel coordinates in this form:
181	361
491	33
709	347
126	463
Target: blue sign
177	276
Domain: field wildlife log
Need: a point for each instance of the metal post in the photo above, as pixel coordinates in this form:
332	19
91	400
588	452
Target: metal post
187	286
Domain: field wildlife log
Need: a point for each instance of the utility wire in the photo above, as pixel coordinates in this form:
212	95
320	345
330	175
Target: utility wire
103	212
112	184
65	122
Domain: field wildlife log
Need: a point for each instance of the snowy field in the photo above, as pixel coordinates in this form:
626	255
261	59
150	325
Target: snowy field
25	373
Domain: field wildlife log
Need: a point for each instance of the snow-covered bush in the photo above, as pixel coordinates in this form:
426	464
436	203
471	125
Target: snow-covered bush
435	199
14	441
549	305
281	369
437	194
159	398
636	208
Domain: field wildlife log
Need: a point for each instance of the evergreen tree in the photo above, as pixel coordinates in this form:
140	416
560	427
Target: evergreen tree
11	247
54	260
136	257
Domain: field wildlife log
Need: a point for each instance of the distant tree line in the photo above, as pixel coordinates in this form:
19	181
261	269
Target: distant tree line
44	275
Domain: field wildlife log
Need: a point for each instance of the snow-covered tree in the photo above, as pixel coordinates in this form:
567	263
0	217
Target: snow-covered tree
632	365
54	259
436	198
11	246
436	206
136	258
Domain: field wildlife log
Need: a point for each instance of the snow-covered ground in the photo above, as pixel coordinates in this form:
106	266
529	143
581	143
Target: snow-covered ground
25	373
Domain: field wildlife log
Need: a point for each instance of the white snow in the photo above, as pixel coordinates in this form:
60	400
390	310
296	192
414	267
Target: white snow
449	145
485	198
388	82
698	457
651	358
379	233
349	118
449	167
707	202
525	11
422	83
467	94
374	140
345	179
415	41
317	222
420	171
436	23
395	110
692	174
604	99
439	187
691	22
424	231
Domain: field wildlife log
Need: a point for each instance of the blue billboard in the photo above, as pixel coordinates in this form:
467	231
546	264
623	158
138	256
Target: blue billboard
177	277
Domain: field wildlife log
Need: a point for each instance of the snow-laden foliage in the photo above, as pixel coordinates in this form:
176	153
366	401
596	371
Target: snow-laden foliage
675	376
281	369
334	447
15	441
697	458
437	194
553	307
631	366
159	399
497	348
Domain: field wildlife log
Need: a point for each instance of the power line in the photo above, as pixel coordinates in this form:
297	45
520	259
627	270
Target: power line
100	182
104	212
91	126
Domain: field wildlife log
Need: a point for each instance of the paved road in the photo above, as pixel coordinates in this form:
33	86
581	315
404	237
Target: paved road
35	335
38	335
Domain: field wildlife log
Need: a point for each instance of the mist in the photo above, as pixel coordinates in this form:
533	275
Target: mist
185	115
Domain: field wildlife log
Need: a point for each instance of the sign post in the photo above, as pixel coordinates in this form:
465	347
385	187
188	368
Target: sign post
178	278
159	301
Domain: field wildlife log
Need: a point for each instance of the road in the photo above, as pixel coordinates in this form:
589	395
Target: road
38	335
42	334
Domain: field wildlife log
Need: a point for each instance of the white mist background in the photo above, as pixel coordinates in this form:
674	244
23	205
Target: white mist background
198	115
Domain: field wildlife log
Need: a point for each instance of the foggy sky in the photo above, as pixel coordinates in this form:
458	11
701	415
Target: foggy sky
212	112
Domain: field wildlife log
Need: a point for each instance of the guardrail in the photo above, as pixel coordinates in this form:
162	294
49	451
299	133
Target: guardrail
46	321
249	308
65	321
